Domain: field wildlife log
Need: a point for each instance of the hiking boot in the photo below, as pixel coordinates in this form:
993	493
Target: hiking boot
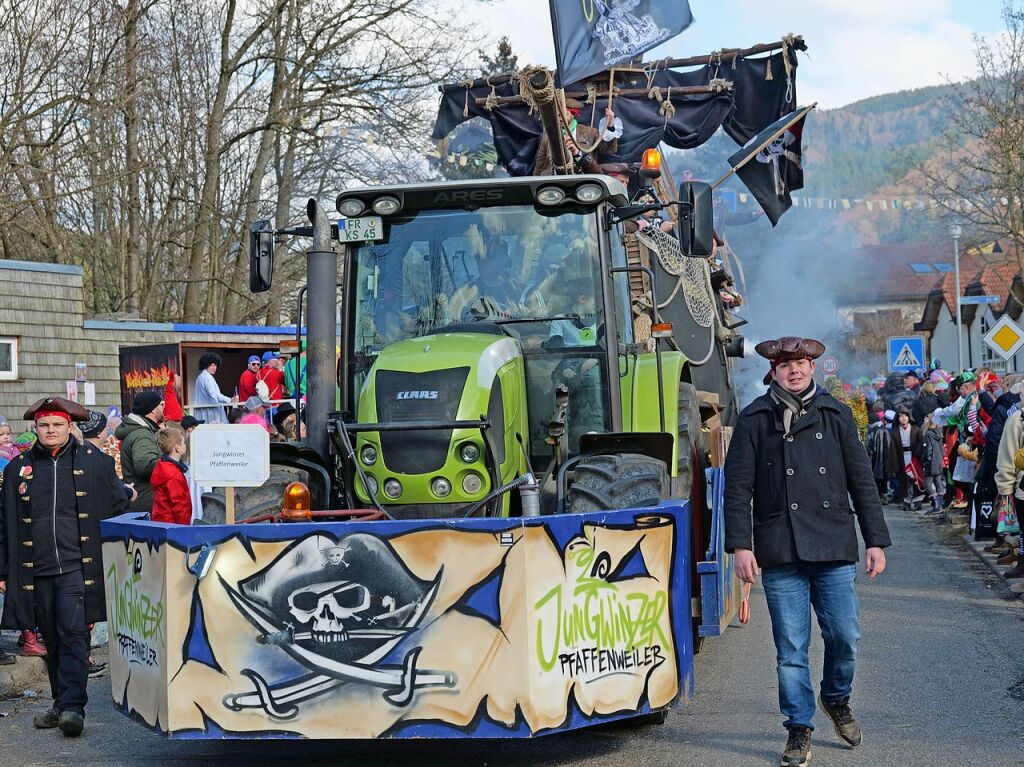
96	668
798	748
71	723
842	719
46	720
6	659
915	506
32	644
997	543
1009	558
1016	572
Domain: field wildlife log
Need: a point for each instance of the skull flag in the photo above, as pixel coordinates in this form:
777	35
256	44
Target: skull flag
593	35
771	163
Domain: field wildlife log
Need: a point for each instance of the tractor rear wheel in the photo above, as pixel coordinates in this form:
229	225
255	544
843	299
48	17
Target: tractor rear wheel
692	440
252	501
607	482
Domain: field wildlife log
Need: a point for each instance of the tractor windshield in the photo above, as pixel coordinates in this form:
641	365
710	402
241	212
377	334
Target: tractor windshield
536	276
508	265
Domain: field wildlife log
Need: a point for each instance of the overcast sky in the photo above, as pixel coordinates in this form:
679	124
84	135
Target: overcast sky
857	48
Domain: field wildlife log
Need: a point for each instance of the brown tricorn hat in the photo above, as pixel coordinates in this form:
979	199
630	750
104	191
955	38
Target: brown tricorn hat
571	103
789	348
72	410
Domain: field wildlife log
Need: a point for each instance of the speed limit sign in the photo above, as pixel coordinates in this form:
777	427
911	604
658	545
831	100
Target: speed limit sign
829	365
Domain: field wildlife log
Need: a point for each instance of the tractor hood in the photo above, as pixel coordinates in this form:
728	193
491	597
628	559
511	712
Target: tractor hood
443	377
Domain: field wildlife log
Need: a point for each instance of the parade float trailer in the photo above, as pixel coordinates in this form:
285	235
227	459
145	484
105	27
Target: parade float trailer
512	525
475	545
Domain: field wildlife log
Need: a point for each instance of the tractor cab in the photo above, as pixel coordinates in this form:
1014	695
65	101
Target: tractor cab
502	273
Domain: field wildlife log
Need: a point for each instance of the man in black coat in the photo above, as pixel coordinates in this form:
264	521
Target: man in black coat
51	569
795	460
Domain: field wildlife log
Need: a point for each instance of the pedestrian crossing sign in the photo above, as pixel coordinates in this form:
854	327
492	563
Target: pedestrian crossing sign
1005	338
906	353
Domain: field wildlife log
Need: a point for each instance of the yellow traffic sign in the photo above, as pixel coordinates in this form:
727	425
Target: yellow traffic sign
1005	338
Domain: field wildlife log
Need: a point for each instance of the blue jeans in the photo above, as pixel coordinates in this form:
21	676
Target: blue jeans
791	591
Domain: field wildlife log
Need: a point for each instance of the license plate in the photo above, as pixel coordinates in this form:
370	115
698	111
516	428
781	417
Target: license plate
363	229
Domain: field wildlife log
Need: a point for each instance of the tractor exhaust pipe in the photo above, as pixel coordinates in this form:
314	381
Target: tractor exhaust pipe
322	332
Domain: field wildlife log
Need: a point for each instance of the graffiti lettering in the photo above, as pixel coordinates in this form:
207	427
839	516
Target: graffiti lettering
135	618
590	660
598	615
136	650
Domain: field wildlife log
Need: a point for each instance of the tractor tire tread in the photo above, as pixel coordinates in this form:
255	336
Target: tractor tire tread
608	482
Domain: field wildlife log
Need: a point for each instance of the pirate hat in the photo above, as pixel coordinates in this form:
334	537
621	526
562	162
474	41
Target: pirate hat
787	348
56	406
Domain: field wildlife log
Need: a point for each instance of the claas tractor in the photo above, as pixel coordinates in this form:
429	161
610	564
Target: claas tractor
503	353
496	523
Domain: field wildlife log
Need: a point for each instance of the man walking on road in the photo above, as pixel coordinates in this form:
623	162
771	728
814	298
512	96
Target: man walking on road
54	497
795	460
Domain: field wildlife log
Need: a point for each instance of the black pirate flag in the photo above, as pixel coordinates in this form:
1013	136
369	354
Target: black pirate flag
596	35
771	163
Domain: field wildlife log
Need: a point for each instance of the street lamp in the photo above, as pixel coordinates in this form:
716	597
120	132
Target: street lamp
954	232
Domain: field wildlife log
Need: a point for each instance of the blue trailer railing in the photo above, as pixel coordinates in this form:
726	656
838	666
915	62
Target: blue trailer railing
719	588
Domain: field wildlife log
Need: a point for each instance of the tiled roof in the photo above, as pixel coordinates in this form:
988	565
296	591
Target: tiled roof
884	272
887	272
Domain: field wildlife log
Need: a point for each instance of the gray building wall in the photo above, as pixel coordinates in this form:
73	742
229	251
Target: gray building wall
42	305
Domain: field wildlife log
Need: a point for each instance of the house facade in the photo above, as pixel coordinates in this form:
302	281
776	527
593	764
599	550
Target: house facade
44	334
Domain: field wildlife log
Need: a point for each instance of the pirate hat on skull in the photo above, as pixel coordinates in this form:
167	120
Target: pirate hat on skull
788	348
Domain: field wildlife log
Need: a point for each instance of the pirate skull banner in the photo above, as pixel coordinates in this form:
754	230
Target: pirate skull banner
483	628
771	164
593	35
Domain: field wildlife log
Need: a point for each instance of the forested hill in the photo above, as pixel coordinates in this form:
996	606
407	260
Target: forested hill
852	151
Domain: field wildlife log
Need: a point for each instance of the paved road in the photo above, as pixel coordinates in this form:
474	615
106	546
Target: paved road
940	682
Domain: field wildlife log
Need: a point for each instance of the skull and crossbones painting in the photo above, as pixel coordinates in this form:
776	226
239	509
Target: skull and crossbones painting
339	607
776	151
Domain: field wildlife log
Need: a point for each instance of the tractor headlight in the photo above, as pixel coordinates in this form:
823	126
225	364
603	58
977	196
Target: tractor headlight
386	205
550	195
441	487
472	483
469	452
369	455
371	485
351	207
589	193
392	488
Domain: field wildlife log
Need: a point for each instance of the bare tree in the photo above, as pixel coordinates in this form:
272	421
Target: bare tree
978	177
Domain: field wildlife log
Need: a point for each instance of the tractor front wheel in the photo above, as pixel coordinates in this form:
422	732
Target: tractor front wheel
607	482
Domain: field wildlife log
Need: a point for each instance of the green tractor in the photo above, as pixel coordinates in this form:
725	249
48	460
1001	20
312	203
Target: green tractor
503	352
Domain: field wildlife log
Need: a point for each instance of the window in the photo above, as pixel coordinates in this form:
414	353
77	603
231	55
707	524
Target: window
922	268
943	267
8	359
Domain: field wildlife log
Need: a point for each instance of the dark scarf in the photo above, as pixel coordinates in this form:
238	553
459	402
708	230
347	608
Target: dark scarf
793	405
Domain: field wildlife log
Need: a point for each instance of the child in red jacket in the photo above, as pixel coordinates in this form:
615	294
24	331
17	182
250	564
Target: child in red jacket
172	502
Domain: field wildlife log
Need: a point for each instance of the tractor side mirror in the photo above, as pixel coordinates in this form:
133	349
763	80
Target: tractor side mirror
696	219
261	256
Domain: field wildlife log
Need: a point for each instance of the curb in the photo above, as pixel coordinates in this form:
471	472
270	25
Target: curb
27	673
978	547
